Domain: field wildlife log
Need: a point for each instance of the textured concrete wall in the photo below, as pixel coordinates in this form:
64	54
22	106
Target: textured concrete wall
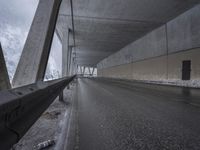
152	45
184	31
175	64
159	54
151	69
158	68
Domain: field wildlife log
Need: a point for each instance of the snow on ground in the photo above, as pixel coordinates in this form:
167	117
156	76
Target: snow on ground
181	83
189	83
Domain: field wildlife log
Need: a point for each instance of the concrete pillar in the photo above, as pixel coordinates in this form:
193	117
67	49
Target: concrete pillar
93	71
72	61
74	66
69	60
83	70
65	51
4	78
89	71
34	58
76	69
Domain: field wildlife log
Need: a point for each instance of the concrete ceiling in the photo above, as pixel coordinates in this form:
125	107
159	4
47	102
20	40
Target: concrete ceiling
103	27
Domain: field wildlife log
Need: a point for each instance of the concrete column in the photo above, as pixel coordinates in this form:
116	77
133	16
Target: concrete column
65	51
72	61
4	78
34	58
69	60
89	71
83	70
93	71
74	66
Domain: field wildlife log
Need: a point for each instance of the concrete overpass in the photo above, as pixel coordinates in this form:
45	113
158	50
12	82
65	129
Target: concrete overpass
104	27
130	42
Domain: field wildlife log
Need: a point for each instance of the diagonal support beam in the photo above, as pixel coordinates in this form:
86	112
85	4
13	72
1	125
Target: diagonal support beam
4	78
34	58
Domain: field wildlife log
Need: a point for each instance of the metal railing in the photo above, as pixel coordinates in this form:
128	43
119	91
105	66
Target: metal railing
21	107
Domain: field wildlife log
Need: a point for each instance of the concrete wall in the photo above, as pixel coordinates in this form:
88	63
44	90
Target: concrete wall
159	54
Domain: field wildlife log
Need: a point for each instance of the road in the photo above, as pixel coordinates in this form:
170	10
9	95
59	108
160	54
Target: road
118	115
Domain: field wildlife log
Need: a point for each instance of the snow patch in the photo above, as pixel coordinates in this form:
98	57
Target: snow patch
189	83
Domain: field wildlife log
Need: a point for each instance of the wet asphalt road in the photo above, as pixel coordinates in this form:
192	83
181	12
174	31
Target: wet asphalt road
114	115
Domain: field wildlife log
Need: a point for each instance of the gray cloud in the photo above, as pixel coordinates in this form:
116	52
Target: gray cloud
17	12
15	19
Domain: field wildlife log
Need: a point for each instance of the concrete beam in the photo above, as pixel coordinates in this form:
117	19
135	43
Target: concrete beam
34	58
65	51
4	78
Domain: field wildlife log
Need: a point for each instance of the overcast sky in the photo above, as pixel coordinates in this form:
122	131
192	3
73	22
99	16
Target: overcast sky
15	19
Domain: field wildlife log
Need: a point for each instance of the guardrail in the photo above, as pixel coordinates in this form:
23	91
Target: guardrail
21	107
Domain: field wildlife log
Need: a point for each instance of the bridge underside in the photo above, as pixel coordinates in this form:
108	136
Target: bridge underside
103	27
167	54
